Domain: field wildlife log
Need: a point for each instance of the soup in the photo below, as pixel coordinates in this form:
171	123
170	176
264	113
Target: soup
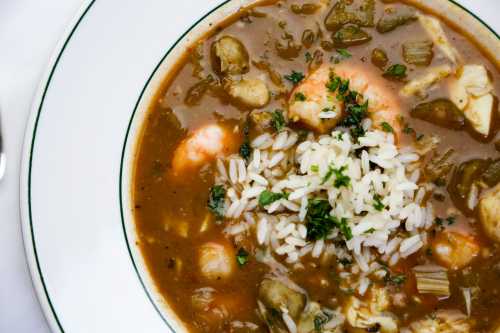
326	166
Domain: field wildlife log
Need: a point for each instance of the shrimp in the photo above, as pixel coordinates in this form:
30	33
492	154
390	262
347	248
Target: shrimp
202	146
216	260
455	250
313	104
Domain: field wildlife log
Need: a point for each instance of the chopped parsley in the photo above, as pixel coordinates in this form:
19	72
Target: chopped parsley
344	53
268	197
370	231
395	279
300	97
295	77
386	127
245	150
308	56
340	178
377	202
277	120
242	257
320	223
441	222
314	168
396	71
333	83
216	201
408	129
340	136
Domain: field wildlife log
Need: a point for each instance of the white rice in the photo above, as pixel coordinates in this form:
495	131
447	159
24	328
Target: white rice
281	165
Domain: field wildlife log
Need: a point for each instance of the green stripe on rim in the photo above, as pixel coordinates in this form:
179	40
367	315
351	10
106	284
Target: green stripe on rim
32	148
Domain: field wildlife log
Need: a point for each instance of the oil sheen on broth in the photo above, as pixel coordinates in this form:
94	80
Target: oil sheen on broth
325	166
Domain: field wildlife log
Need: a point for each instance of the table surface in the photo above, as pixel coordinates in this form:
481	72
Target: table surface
29	30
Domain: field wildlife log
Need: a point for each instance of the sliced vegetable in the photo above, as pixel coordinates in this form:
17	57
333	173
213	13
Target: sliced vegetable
350	35
395	18
492	174
432	279
418	53
396	71
276	295
465	176
341	14
439	166
229	56
308	38
290	50
441	112
379	58
305	9
198	90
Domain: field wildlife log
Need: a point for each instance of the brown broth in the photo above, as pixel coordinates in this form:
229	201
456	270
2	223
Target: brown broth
164	205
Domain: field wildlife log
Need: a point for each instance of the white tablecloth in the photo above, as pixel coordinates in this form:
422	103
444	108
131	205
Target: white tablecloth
29	30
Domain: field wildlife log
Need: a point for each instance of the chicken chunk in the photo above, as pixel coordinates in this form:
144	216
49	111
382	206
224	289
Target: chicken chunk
472	93
216	261
249	93
489	213
366	316
455	250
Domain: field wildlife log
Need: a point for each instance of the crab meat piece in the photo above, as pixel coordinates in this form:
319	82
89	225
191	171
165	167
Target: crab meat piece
421	84
435	31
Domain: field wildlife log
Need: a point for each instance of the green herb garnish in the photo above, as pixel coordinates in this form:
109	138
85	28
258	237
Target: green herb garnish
216	201
333	83
320	223
268	197
344	53
245	150
377	202
300	97
278	120
386	127
295	77
242	257
314	168
396	71
340	178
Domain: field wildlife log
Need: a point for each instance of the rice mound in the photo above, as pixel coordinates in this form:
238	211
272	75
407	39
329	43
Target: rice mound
379	172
